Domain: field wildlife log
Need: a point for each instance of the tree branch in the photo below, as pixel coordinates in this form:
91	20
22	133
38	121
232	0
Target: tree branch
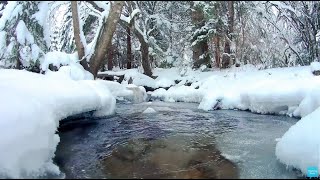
95	6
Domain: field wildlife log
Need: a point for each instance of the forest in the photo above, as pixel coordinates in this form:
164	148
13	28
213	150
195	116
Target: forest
163	34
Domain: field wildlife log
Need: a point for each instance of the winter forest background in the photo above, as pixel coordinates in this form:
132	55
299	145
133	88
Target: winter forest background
38	35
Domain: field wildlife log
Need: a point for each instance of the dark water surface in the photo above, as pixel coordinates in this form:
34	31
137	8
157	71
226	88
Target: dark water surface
178	141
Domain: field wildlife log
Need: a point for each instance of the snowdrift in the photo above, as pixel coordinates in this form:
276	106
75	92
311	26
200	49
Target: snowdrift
30	109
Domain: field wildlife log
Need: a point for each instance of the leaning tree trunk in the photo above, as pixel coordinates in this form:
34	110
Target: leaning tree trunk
105	36
129	54
76	30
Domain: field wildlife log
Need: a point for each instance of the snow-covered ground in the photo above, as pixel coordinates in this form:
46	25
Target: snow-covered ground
293	91
32	105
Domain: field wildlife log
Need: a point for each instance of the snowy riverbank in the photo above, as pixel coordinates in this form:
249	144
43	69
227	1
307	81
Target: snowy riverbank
32	105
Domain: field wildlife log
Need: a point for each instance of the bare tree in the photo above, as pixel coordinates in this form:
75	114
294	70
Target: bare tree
144	48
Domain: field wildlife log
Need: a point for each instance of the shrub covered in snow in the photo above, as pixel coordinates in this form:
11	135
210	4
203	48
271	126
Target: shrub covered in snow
23	33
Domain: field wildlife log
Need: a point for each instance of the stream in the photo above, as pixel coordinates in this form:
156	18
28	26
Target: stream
178	141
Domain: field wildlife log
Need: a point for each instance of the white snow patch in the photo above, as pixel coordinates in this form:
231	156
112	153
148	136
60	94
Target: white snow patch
164	82
10	11
23	35
57	58
315	66
149	110
73	71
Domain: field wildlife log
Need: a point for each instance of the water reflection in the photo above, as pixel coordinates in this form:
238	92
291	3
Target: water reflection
175	156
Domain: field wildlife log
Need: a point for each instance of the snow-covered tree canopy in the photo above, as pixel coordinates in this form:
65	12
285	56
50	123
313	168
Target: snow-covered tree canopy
182	34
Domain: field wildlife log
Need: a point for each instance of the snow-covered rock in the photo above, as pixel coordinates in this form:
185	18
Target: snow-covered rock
130	92
149	110
178	94
57	58
73	71
315	68
139	94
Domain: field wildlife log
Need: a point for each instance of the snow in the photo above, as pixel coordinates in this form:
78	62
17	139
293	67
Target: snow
130	92
41	15
164	82
23	35
129	18
299	147
149	110
278	91
178	94
73	71
3	35
315	66
58	58
35	52
34	104
10	11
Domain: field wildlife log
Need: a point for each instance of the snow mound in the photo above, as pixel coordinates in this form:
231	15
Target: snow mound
299	147
315	66
278	91
178	94
164	82
310	103
130	92
149	110
73	71
34	104
57	58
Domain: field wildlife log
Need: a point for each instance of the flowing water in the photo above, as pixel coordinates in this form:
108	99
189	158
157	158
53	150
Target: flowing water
178	141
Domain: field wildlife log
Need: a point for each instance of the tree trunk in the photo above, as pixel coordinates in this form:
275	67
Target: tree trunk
227	48
226	60
217	50
76	30
144	54
18	64
129	54
110	57
105	36
144	48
